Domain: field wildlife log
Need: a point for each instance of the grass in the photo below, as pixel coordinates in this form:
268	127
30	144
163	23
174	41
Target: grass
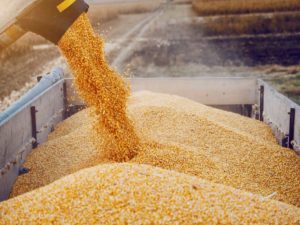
288	85
252	24
224	7
239	17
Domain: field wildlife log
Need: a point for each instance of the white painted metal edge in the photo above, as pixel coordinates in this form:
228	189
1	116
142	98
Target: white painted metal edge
206	90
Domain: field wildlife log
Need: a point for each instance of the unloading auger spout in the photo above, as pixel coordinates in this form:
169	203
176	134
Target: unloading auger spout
48	18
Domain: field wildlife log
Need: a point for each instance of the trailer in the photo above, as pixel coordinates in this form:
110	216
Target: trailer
28	122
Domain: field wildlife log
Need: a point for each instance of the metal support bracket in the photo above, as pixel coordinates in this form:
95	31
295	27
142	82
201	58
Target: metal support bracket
291	135
34	132
65	114
261	102
23	170
39	78
285	142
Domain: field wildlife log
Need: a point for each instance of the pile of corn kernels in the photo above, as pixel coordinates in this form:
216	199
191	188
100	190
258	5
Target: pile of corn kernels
205	166
177	134
139	194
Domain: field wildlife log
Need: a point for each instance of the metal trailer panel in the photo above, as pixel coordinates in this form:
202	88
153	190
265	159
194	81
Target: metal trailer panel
276	111
206	90
50	110
7	182
16	133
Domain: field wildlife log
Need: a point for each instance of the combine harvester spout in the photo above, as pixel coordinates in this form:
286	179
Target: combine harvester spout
48	18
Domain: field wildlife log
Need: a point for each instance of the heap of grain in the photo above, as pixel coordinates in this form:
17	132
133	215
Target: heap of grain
165	131
140	194
182	135
102	88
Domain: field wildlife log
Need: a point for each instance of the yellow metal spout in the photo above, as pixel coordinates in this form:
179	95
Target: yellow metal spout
48	18
64	5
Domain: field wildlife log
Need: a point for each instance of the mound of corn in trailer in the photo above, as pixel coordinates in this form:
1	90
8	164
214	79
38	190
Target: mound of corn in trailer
205	165
198	146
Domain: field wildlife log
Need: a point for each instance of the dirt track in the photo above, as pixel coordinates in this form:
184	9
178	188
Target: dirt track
167	42
176	46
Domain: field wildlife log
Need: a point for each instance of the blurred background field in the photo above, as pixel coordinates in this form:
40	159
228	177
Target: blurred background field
258	38
272	21
218	7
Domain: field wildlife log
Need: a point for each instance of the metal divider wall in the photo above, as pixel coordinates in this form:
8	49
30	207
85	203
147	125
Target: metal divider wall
206	90
28	125
281	114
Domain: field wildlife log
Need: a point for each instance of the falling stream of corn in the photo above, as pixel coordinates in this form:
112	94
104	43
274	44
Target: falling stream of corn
204	165
101	87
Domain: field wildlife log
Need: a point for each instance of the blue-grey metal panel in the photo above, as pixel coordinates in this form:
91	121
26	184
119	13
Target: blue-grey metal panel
276	112
16	127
